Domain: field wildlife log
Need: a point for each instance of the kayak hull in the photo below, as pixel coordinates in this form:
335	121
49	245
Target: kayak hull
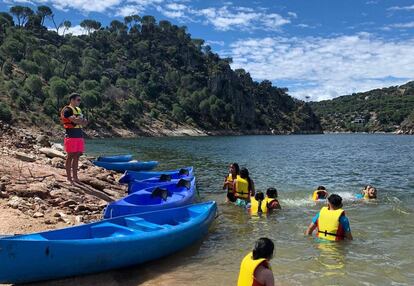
104	245
142	201
123	166
130	176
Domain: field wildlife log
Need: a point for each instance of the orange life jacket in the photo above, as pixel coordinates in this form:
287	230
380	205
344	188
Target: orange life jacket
67	123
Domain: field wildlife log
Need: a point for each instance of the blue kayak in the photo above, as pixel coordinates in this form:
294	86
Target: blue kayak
115	158
103	245
154	182
156	198
123	166
138	176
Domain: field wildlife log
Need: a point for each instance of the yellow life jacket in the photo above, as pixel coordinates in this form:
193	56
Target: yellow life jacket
67	123
366	196
328	223
315	196
247	268
230	179
242	188
254	205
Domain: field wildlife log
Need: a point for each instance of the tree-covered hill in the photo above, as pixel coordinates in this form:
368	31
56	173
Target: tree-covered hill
380	110
133	74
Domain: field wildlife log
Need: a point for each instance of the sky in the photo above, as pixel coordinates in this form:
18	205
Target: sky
318	49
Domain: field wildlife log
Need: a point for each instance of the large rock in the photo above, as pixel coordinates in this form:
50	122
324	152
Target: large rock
25	157
52	153
36	189
43	141
16	202
58	162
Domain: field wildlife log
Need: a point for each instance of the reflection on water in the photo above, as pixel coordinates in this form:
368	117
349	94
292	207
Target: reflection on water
381	253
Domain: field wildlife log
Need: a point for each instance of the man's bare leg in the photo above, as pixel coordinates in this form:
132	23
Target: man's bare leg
68	166
75	164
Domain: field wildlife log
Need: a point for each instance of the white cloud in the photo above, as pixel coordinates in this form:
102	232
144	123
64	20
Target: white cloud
75	30
211	42
129	10
85	6
324	68
399	8
402	25
121	8
293	14
228	18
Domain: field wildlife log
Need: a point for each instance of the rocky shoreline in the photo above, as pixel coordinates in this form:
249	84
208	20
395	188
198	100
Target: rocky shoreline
34	193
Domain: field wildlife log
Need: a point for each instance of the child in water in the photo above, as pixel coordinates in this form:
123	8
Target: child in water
234	171
261	204
255	266
367	193
243	188
320	194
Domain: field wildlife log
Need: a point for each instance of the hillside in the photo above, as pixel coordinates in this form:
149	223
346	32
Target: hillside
380	110
135	77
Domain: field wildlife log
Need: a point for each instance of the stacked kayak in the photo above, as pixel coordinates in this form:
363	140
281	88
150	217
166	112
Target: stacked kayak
115	158
130	176
155	182
123	166
164	196
103	245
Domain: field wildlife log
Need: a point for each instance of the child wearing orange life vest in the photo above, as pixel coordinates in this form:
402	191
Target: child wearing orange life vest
255	267
234	171
331	222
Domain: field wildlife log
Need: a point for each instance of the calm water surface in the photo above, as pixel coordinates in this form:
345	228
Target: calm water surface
382	250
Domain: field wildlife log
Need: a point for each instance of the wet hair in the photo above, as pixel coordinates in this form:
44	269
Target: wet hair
237	168
321	188
244	173
73	96
263	248
335	200
271	193
259	196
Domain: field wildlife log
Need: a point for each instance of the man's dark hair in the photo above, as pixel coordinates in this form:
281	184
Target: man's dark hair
73	96
263	248
335	200
321	188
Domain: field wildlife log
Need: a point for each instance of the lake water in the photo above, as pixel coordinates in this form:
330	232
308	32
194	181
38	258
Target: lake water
383	247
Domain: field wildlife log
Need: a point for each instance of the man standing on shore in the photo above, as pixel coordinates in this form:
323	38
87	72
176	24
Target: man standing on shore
72	119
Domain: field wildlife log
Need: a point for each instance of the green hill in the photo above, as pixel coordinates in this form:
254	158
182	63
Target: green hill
138	75
380	110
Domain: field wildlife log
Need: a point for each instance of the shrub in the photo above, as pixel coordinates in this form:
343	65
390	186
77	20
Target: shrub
5	113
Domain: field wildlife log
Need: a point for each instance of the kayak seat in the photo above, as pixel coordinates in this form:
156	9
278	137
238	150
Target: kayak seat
108	229
141	224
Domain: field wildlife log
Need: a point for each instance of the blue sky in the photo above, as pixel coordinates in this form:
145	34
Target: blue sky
315	48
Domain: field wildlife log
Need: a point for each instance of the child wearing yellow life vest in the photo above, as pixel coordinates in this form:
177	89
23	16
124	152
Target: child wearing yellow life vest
331	222
243	188
367	193
255	267
234	171
320	194
261	204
